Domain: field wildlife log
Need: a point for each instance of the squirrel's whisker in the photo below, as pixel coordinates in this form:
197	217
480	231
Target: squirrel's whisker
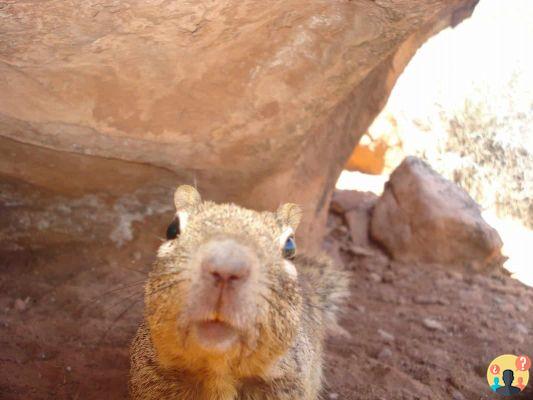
132	285
155	274
123	299
117	318
139	271
117	289
168	286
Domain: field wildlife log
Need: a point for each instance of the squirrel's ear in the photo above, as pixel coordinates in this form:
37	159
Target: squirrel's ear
186	197
290	214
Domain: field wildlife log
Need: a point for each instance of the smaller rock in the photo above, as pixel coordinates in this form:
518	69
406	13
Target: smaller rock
358	223
457	395
68	368
386	336
455	275
375	277
433	325
516	339
388	277
507	308
486	324
384	354
21	305
360	308
341	230
438	357
343	201
522	307
401	313
521	329
482	280
428	300
387	294
333	396
360	251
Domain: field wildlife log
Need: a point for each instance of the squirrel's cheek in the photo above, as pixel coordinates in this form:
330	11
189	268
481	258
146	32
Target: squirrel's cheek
290	269
165	250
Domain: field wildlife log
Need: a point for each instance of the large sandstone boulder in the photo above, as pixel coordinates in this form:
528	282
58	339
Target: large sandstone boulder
423	217
258	102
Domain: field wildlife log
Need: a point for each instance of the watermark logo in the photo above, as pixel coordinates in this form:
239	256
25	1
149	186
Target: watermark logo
508	374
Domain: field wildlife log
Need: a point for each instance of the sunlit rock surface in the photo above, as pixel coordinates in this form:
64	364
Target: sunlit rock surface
422	217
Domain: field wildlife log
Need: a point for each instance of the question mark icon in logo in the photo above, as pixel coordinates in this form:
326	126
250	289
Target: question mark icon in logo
523	363
518	365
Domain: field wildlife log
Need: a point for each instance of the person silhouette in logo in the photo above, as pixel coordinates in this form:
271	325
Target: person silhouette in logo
496	384
508	378
520	383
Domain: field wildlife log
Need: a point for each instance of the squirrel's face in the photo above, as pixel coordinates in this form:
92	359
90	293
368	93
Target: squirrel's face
224	287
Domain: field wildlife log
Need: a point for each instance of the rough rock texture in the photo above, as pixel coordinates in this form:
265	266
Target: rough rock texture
258	102
423	217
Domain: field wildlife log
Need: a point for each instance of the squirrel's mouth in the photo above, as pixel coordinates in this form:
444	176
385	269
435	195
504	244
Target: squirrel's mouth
215	335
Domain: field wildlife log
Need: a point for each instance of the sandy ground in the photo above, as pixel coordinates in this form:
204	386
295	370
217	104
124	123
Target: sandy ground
71	297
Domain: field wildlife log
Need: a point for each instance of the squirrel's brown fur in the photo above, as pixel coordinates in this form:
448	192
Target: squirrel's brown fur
282	320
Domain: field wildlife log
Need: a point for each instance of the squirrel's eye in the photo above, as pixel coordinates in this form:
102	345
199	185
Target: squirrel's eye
173	229
289	248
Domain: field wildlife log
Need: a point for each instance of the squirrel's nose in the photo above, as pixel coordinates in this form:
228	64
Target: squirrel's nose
227	272
226	261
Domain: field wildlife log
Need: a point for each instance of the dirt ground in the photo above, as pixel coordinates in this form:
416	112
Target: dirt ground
71	276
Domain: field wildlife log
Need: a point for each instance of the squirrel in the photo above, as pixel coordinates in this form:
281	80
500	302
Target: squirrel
231	311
